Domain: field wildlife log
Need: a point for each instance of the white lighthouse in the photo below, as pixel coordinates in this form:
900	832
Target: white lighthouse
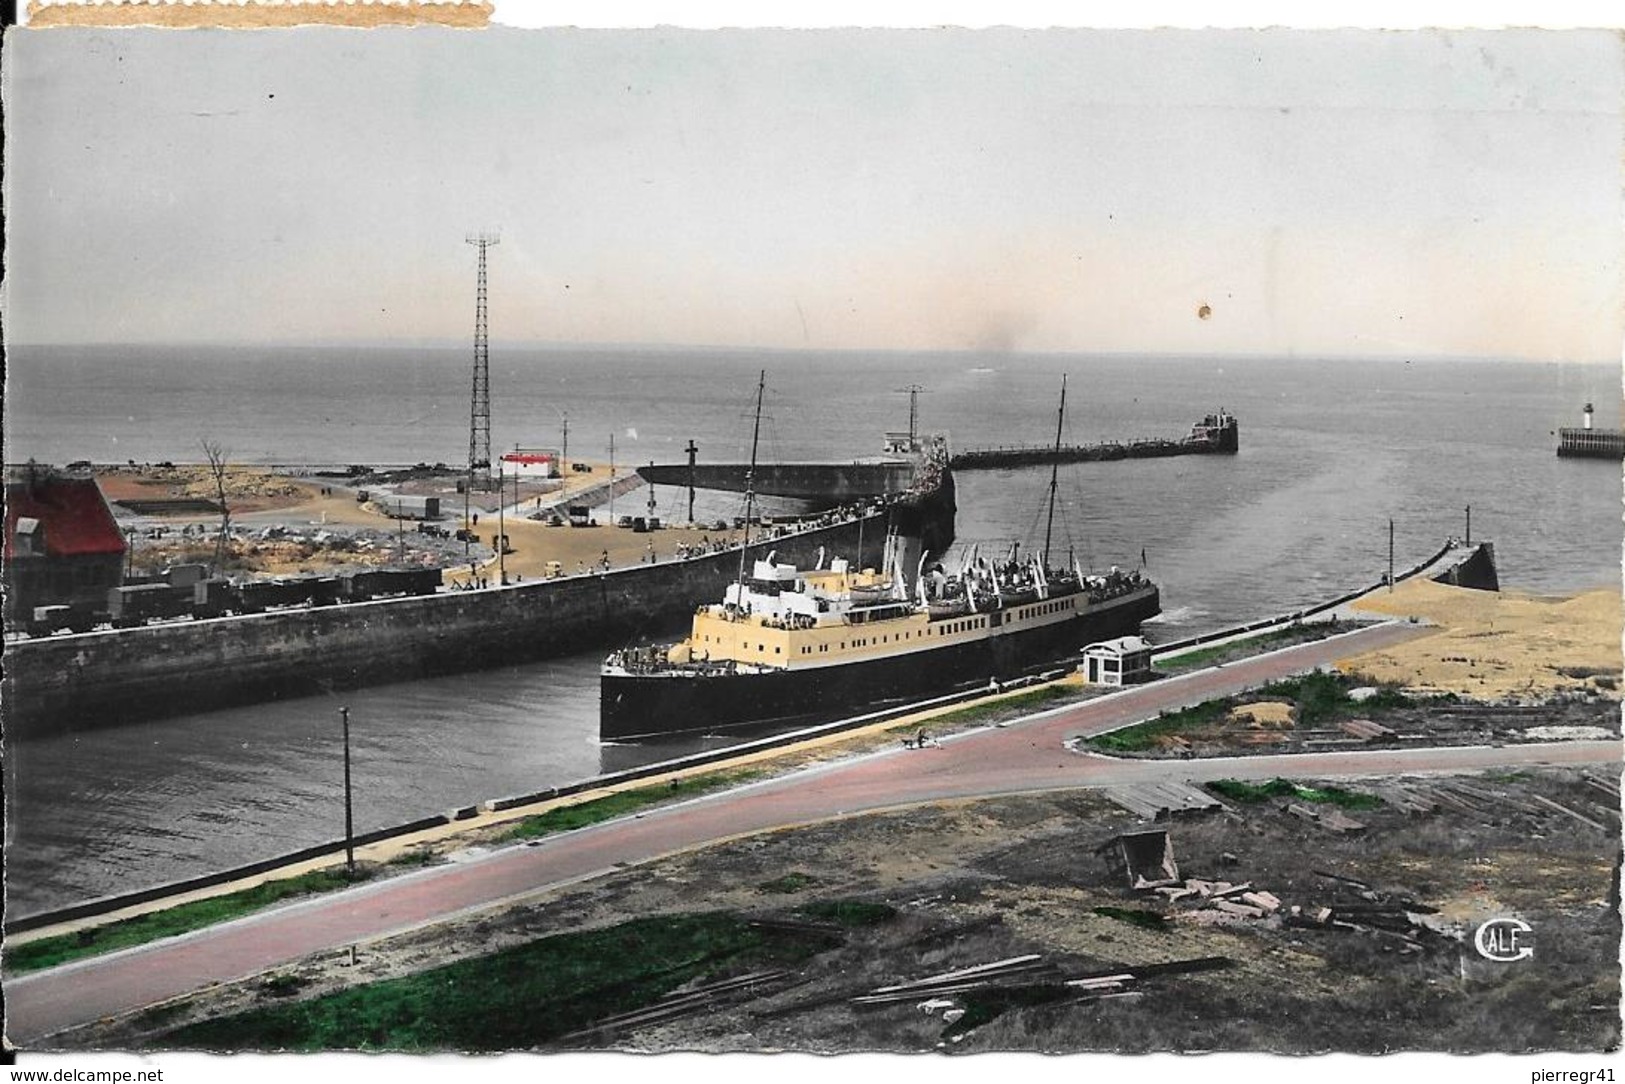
1588	412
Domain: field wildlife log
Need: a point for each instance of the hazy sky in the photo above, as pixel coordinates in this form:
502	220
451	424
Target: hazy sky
1324	192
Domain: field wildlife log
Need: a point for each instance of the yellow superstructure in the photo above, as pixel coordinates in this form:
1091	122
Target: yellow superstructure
843	634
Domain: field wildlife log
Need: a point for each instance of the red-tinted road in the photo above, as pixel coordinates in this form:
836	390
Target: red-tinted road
1024	757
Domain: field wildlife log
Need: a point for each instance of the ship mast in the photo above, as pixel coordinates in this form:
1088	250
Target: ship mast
1054	470
750	484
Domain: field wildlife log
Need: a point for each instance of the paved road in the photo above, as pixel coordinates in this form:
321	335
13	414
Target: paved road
1026	757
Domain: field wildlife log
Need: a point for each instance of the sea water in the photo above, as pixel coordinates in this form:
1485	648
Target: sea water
1331	450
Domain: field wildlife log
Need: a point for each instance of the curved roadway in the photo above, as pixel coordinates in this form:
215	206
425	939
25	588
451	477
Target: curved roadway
1026	756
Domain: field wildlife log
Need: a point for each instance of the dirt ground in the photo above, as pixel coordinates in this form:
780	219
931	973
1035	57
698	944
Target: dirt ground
248	489
975	882
1499	645
258	497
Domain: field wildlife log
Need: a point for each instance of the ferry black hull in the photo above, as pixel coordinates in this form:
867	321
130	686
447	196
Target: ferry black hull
639	706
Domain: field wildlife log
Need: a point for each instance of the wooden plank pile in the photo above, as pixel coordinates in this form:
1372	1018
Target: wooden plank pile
1162	800
1222	897
1367	731
1492	805
1358	908
1331	818
945	991
689	1002
1028	970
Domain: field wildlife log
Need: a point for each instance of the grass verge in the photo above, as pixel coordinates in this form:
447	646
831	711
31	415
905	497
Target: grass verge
1251	793
1142	736
852	913
183	918
568	817
1017	704
516	999
1201	657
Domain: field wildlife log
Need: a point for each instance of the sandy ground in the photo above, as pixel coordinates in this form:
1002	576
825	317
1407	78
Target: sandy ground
1498	645
579	549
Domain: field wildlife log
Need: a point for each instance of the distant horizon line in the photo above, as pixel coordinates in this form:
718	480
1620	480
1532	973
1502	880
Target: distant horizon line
734	349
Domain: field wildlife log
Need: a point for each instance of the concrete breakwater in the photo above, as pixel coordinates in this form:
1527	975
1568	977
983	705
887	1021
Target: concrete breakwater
1214	434
74	682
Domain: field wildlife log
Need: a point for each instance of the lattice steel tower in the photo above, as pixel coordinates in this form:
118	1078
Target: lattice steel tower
479	419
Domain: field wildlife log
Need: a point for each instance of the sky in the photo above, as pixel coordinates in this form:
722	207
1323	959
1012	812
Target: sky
1345	193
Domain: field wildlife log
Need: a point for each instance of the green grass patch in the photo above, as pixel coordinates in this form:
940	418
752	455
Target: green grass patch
182	918
516	999
1250	793
794	881
1146	920
568	817
1143	736
1316	698
1322	697
1197	658
1016	704
414	858
852	913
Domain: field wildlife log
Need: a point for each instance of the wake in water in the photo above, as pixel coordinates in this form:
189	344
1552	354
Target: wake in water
1179	615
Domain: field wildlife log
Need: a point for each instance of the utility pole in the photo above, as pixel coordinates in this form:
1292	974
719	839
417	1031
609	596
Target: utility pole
692	451
502	539
651	499
1469	525
564	444
612	479
349	818
479	416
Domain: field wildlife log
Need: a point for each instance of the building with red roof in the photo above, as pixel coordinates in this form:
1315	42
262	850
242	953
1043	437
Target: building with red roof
62	544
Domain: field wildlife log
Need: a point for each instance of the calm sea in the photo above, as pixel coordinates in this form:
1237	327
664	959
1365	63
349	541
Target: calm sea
1331	450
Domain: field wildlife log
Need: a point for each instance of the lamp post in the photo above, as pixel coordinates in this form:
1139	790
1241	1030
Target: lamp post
349	818
502	539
